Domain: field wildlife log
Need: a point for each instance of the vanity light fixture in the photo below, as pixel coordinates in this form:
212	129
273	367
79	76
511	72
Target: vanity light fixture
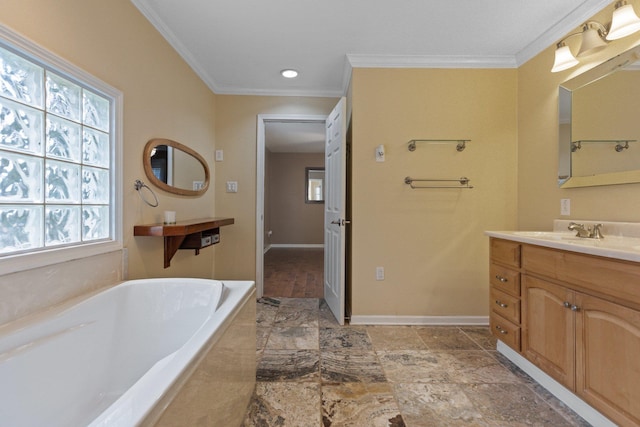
592	39
594	36
289	73
624	21
564	58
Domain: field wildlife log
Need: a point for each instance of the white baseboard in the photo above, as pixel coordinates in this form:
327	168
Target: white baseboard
578	405
419	320
296	245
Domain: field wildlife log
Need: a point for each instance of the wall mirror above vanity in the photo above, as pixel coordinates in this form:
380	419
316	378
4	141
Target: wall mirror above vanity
175	168
599	127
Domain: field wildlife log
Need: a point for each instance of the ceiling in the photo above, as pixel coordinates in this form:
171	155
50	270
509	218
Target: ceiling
240	46
294	137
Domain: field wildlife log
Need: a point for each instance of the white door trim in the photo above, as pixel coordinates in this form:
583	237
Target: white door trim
260	170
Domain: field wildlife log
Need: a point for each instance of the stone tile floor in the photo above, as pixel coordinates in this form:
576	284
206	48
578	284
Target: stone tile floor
313	372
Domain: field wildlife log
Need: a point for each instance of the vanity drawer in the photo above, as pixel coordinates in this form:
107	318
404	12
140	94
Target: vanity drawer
617	279
505	279
505	305
505	331
505	252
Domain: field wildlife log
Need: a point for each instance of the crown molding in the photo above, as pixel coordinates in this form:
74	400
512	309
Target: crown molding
431	61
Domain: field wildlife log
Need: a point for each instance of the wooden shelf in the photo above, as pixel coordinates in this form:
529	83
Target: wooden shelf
191	234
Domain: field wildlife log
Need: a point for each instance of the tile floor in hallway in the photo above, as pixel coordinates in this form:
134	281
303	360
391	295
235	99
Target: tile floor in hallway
312	372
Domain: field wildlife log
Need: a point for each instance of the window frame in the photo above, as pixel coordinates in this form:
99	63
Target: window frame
11	263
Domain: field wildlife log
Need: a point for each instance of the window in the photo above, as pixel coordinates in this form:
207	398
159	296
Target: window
314	183
58	156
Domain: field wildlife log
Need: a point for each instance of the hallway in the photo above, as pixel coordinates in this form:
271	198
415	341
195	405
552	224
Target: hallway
294	272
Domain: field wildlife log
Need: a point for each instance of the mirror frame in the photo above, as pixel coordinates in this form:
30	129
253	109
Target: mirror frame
148	170
602	70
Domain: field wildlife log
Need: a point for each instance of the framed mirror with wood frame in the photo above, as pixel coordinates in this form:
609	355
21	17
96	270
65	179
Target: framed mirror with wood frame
175	168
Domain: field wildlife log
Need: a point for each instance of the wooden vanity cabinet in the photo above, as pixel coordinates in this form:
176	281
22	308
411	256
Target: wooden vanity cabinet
579	330
504	276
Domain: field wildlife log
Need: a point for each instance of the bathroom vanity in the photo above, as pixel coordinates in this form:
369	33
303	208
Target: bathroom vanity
571	307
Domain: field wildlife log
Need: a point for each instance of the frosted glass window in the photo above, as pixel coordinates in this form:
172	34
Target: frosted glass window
63	139
21	127
94	222
57	151
62	181
22	228
20	178
95	111
95	185
62	224
95	148
20	79
63	97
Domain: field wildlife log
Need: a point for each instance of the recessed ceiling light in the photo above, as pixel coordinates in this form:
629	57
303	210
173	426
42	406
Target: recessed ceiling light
289	73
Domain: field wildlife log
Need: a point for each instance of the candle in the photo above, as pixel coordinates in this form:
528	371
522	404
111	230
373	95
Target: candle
169	217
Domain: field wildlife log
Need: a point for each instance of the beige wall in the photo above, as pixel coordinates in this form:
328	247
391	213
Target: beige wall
430	242
236	130
292	220
538	192
162	98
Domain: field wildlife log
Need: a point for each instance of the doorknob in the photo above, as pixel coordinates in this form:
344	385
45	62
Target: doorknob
336	222
340	222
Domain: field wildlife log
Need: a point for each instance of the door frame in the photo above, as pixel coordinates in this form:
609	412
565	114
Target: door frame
260	179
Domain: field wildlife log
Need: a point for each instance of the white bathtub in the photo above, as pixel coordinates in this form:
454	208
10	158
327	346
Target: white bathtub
130	356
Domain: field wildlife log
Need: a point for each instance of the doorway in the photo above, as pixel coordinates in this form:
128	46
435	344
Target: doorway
289	249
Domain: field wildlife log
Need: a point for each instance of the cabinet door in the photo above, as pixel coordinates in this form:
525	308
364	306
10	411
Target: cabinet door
608	358
548	334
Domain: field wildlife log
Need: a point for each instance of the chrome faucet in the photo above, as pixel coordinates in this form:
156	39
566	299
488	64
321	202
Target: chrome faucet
587	233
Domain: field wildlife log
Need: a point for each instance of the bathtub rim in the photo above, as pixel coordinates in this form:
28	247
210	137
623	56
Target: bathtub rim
166	398
155	404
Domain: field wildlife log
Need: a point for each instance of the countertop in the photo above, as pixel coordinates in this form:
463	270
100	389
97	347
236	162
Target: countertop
621	240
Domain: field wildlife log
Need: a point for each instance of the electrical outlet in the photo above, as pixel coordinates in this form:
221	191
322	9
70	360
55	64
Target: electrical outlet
379	273
219	155
232	186
565	207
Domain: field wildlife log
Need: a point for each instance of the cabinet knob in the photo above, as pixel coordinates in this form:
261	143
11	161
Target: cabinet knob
501	304
502	279
566	304
502	331
575	308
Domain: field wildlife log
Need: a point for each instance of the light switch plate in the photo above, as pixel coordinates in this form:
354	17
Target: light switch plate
565	207
219	155
232	186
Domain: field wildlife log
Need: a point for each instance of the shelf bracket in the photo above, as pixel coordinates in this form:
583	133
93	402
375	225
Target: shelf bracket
171	246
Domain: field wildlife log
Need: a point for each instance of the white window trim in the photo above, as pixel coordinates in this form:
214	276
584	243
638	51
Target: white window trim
42	258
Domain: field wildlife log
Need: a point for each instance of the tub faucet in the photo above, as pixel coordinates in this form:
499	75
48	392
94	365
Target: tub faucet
587	233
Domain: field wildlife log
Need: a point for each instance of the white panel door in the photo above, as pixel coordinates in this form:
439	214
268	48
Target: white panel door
335	208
